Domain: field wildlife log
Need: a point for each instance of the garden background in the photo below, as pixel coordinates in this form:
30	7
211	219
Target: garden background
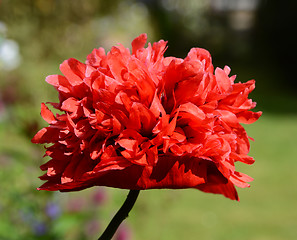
254	37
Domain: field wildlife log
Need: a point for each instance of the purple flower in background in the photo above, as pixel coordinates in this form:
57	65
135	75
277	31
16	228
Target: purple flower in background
53	210
39	228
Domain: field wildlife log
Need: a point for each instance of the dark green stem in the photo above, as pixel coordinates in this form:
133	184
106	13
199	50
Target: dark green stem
120	216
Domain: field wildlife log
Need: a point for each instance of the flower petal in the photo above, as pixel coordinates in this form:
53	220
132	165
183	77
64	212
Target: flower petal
47	115
73	70
144	121
138	43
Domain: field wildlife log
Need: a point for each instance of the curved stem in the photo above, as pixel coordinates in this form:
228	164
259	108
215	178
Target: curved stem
120	215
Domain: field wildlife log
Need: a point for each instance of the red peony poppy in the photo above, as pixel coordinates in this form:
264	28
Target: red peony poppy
144	121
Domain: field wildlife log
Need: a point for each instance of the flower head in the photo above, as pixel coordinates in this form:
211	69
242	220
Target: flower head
141	121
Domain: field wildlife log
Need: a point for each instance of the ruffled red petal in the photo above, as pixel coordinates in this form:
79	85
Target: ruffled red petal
141	121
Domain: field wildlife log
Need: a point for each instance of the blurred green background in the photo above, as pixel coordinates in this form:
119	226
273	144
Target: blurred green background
254	37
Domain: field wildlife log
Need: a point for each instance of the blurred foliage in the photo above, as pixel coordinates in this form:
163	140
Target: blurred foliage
50	31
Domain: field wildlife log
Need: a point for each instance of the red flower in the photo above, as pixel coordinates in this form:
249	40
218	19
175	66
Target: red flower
143	121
